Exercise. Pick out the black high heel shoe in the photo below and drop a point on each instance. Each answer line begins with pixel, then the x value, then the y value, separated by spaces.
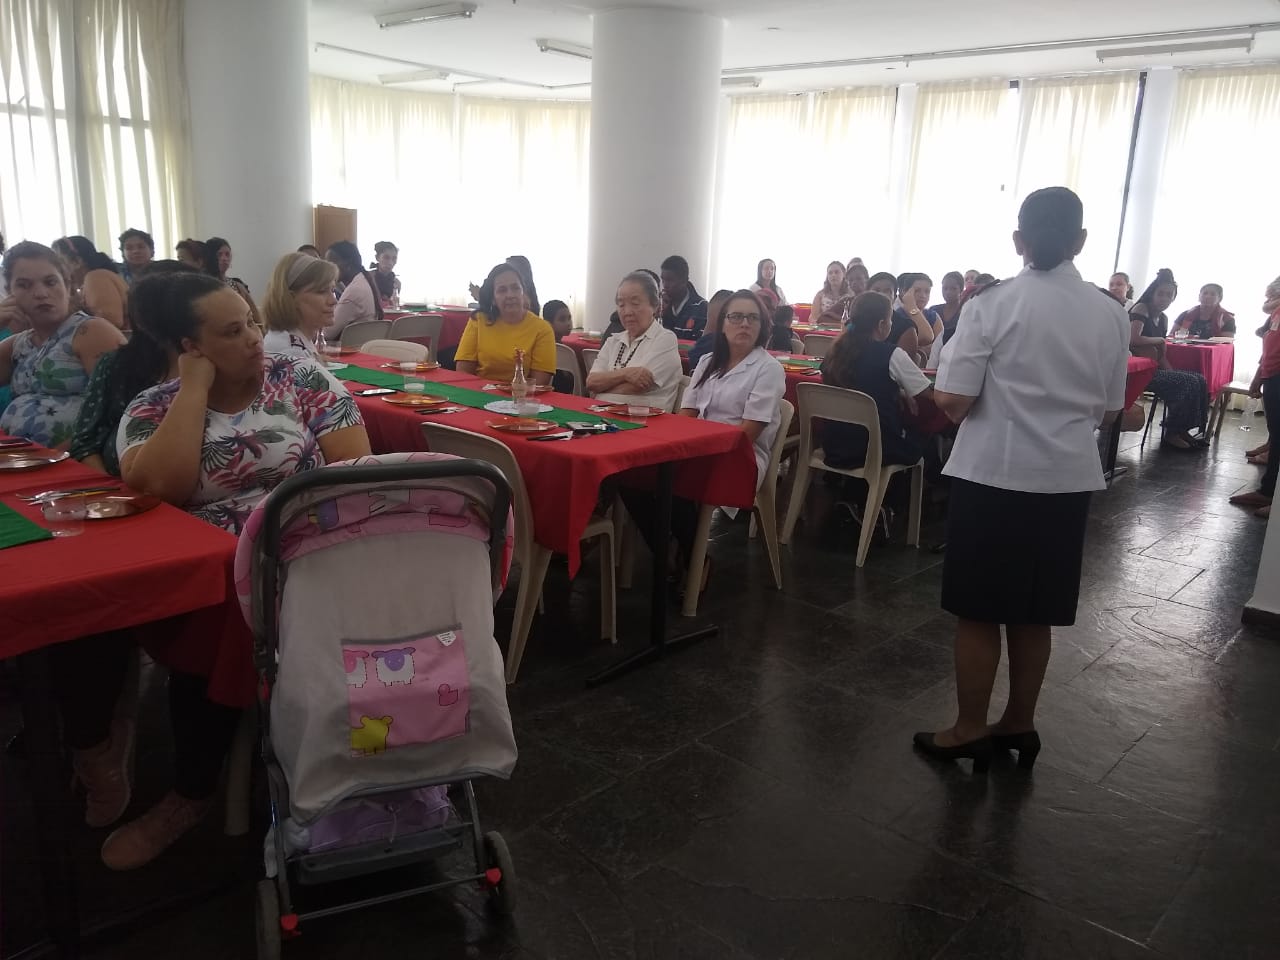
pixel 1027 744
pixel 979 751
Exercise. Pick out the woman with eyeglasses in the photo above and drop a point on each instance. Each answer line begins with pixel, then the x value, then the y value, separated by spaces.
pixel 739 383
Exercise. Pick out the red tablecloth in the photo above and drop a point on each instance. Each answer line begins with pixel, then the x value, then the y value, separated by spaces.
pixel 1216 362
pixel 126 573
pixel 802 312
pixel 715 462
pixel 1141 370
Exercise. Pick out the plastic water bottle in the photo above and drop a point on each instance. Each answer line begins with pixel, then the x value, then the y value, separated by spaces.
pixel 519 385
pixel 1250 408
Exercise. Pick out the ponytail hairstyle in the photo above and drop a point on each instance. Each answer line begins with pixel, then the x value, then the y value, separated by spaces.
pixel 82 249
pixel 143 361
pixel 867 312
pixel 347 254
pixel 488 299
pixel 1050 224
pixel 720 351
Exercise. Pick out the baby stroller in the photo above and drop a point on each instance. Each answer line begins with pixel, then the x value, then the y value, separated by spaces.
pixel 370 588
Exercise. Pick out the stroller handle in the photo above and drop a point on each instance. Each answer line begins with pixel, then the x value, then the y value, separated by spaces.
pixel 388 474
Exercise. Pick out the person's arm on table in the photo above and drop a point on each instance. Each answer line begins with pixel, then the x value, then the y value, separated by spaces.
pixel 167 463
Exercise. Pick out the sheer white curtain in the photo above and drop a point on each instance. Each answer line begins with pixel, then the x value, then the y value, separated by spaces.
pixel 960 205
pixel 1076 133
pixel 457 184
pixel 804 181
pixel 94 133
pixel 1217 204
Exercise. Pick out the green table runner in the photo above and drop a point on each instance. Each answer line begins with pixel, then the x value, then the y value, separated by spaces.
pixel 812 364
pixel 16 529
pixel 476 399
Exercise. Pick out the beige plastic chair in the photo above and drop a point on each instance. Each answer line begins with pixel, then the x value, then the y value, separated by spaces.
pixel 1238 388
pixel 568 362
pixel 817 344
pixel 684 385
pixel 397 350
pixel 819 401
pixel 764 512
pixel 418 326
pixel 531 556
pixel 358 334
pixel 797 345
pixel 588 361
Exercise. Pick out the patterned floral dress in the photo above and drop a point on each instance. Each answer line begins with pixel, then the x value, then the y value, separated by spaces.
pixel 246 454
pixel 48 386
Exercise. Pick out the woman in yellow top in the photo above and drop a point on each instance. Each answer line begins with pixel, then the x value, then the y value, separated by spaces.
pixel 502 326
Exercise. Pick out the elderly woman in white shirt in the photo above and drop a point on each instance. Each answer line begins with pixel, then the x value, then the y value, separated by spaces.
pixel 1038 364
pixel 299 305
pixel 640 365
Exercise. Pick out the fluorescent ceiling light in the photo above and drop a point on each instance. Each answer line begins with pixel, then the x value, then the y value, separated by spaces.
pixel 411 76
pixel 564 48
pixel 432 14
pixel 1198 46
pixel 739 81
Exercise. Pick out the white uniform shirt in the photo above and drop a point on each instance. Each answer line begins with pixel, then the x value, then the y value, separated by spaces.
pixel 1046 354
pixel 354 306
pixel 657 350
pixel 750 391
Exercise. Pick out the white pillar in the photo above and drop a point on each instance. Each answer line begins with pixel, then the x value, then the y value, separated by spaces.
pixel 1148 164
pixel 248 82
pixel 655 100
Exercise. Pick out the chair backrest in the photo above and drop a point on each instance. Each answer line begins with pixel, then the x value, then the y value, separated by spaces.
pixel 822 401
pixel 358 334
pixel 567 361
pixel 797 345
pixel 589 359
pixel 817 344
pixel 396 350
pixel 418 326
pixel 684 385
pixel 474 446
pixel 785 412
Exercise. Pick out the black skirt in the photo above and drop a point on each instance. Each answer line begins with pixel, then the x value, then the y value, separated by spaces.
pixel 1013 557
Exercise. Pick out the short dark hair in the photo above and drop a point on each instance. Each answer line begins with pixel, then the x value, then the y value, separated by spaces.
pixel 1049 222
pixel 135 234
pixel 955 276
pixel 551 308
pixel 310 248
pixel 677 265
pixel 193 247
pixel 1215 287
pixel 163 308
pixel 906 281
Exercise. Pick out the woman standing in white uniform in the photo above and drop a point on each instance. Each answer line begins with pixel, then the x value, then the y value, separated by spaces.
pixel 1038 364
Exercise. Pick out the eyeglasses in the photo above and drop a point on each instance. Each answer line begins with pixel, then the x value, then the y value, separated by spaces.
pixel 741 319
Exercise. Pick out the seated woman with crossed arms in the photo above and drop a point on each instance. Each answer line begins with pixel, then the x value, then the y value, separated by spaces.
pixel 641 364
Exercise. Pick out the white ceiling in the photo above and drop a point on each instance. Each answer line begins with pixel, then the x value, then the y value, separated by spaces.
pixel 498 41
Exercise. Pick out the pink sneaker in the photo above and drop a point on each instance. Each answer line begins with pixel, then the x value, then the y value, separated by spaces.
pixel 104 772
pixel 138 843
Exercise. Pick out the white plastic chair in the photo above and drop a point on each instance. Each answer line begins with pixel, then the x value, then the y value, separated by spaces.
pixel 358 334
pixel 764 512
pixel 684 385
pixel 567 361
pixel 396 350
pixel 819 401
pixel 817 344
pixel 797 345
pixel 531 556
pixel 418 326
pixel 1237 388
pixel 588 361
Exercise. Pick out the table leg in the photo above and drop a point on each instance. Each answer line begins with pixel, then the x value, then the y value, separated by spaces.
pixel 51 803
pixel 659 644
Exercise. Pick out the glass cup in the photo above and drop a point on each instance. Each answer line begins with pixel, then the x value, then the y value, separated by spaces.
pixel 414 385
pixel 65 516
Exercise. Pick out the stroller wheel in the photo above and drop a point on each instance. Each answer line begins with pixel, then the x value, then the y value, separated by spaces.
pixel 267 917
pixel 502 891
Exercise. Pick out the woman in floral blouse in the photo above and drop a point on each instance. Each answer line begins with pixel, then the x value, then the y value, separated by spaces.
pixel 47 365
pixel 215 441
